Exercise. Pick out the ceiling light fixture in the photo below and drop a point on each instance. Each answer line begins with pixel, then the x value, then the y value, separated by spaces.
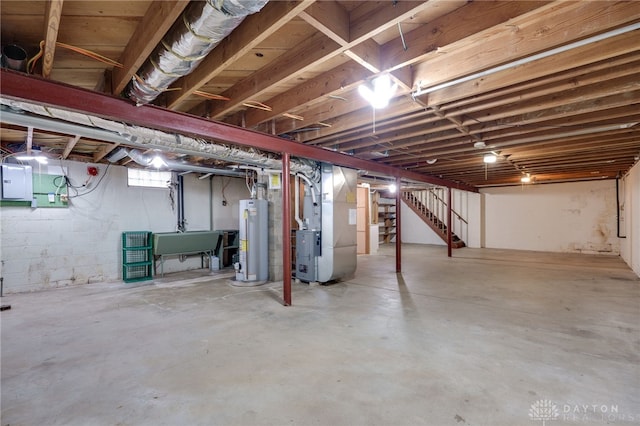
pixel 489 158
pixel 392 188
pixel 35 155
pixel 526 178
pixel 383 91
pixel 158 162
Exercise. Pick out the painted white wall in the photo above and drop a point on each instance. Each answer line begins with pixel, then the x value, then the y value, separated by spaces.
pixel 569 217
pixel 374 239
pixel 54 247
pixel 466 204
pixel 473 215
pixel 415 231
pixel 235 189
pixel 630 201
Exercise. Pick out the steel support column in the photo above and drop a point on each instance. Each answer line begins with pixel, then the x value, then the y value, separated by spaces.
pixel 398 225
pixel 286 230
pixel 449 224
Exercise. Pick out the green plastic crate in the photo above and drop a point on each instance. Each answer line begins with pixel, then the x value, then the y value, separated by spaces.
pixel 137 256
pixel 133 273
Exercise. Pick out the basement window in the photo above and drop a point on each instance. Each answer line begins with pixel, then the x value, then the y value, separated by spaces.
pixel 148 178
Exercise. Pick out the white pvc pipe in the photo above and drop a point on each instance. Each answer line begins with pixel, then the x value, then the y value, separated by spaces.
pixel 541 55
pixel 296 179
pixel 311 188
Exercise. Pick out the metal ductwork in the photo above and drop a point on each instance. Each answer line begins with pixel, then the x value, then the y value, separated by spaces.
pixel 146 160
pixel 55 119
pixel 197 32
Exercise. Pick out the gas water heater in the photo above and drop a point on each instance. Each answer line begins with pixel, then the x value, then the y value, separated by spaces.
pixel 253 251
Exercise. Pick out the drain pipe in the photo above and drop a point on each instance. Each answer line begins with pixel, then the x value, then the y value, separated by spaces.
pixel 312 187
pixel 211 203
pixel 181 222
pixel 297 202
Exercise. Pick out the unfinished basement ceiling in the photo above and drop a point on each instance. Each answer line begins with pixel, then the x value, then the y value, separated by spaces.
pixel 571 114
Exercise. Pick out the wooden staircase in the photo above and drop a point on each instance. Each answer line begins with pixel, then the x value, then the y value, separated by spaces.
pixel 431 208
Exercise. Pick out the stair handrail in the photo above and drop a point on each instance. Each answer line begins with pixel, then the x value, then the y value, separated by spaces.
pixel 431 190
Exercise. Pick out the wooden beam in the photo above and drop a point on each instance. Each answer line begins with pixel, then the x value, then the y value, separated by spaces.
pixel 445 31
pixel 556 84
pixel 331 111
pixel 605 50
pixel 70 144
pixel 545 28
pixel 330 18
pixel 363 116
pixel 159 18
pixel 372 18
pixel 253 31
pixel 366 54
pixel 102 152
pixel 313 91
pixel 451 31
pixel 297 60
pixel 14 85
pixel 53 12
pixel 623 89
pixel 300 59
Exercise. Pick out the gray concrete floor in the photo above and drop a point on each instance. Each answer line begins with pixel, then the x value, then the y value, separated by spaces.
pixel 472 340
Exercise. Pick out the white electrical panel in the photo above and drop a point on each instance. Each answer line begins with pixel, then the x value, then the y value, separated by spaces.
pixel 17 182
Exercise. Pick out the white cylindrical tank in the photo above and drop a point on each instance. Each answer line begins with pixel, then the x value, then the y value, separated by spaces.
pixel 253 251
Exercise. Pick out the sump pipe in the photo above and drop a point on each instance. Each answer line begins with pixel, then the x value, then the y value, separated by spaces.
pixel 296 200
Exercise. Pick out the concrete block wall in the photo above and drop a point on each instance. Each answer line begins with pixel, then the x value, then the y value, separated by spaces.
pixel 275 235
pixel 55 247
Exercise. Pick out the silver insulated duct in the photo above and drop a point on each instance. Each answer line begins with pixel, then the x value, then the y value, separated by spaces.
pixel 197 32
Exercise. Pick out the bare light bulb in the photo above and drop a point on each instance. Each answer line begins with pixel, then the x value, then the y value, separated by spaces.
pixel 489 158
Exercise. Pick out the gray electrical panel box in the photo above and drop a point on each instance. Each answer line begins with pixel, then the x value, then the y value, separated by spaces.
pixel 308 246
pixel 17 182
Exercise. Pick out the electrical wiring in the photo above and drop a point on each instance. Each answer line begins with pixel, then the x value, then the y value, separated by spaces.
pixel 89 53
pixel 62 180
pixel 31 64
pixel 224 186
pixel 106 170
